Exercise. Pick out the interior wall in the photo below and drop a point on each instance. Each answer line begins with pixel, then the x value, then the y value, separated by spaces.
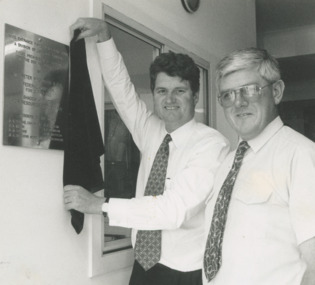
pixel 37 242
pixel 38 246
pixel 299 90
pixel 289 42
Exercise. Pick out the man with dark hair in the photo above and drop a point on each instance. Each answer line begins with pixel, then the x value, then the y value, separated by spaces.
pixel 261 226
pixel 176 64
pixel 179 158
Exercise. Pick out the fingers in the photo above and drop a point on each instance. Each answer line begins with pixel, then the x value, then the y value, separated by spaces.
pixel 85 34
pixel 71 187
pixel 68 204
pixel 90 27
pixel 78 24
pixel 82 24
pixel 70 196
pixel 77 198
pixel 71 192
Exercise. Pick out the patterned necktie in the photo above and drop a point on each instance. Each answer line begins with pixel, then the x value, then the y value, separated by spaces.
pixel 213 257
pixel 148 243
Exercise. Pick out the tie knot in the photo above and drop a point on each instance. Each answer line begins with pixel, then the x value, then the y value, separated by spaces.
pixel 167 139
pixel 242 147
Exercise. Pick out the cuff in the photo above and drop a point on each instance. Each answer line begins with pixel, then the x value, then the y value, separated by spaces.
pixel 107 49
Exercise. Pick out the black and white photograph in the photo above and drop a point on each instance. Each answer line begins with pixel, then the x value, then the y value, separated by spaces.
pixel 157 142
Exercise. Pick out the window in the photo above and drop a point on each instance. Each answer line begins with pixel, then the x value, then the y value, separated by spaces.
pixel 122 157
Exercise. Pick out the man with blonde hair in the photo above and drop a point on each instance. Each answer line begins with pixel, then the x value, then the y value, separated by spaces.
pixel 261 220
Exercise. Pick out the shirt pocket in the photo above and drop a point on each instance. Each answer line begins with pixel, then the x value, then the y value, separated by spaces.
pixel 254 202
pixel 254 192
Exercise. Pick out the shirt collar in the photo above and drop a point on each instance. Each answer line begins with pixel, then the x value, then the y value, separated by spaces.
pixel 180 135
pixel 272 128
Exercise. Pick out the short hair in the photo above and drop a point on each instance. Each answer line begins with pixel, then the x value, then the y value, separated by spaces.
pixel 267 65
pixel 176 64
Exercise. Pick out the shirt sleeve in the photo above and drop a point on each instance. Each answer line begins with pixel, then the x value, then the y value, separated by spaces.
pixel 183 198
pixel 302 193
pixel 131 109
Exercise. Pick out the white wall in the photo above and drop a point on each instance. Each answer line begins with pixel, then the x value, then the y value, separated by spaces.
pixel 37 243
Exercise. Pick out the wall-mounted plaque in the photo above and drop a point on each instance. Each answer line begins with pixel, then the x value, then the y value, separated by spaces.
pixel 35 81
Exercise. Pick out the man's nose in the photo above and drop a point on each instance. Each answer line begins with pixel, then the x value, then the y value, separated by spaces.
pixel 170 97
pixel 240 101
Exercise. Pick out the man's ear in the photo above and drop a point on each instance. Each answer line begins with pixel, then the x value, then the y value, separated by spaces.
pixel 196 98
pixel 277 91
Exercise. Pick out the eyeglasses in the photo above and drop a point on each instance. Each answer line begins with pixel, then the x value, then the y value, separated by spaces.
pixel 250 93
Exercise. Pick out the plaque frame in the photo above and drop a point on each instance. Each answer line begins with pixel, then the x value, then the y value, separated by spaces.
pixel 35 83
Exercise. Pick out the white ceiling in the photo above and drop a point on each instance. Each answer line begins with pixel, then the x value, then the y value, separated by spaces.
pixel 282 14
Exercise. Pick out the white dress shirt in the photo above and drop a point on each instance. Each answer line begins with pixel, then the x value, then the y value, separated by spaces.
pixel 195 154
pixel 271 212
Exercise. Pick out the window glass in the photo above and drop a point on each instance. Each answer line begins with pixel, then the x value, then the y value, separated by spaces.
pixel 201 114
pixel 121 154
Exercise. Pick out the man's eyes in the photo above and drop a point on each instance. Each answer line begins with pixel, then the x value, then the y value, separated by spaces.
pixel 161 91
pixel 227 95
pixel 176 91
pixel 180 91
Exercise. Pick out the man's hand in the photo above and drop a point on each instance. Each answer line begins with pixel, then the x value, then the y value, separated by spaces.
pixel 77 198
pixel 91 27
pixel 308 254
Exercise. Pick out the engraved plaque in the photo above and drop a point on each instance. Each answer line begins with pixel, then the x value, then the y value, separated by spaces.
pixel 35 81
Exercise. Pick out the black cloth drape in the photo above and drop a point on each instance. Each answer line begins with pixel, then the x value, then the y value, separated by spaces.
pixel 83 143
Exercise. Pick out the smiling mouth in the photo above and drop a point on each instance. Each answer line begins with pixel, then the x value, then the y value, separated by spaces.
pixel 171 107
pixel 243 115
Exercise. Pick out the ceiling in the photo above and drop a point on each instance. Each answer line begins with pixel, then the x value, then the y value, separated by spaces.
pixel 282 14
